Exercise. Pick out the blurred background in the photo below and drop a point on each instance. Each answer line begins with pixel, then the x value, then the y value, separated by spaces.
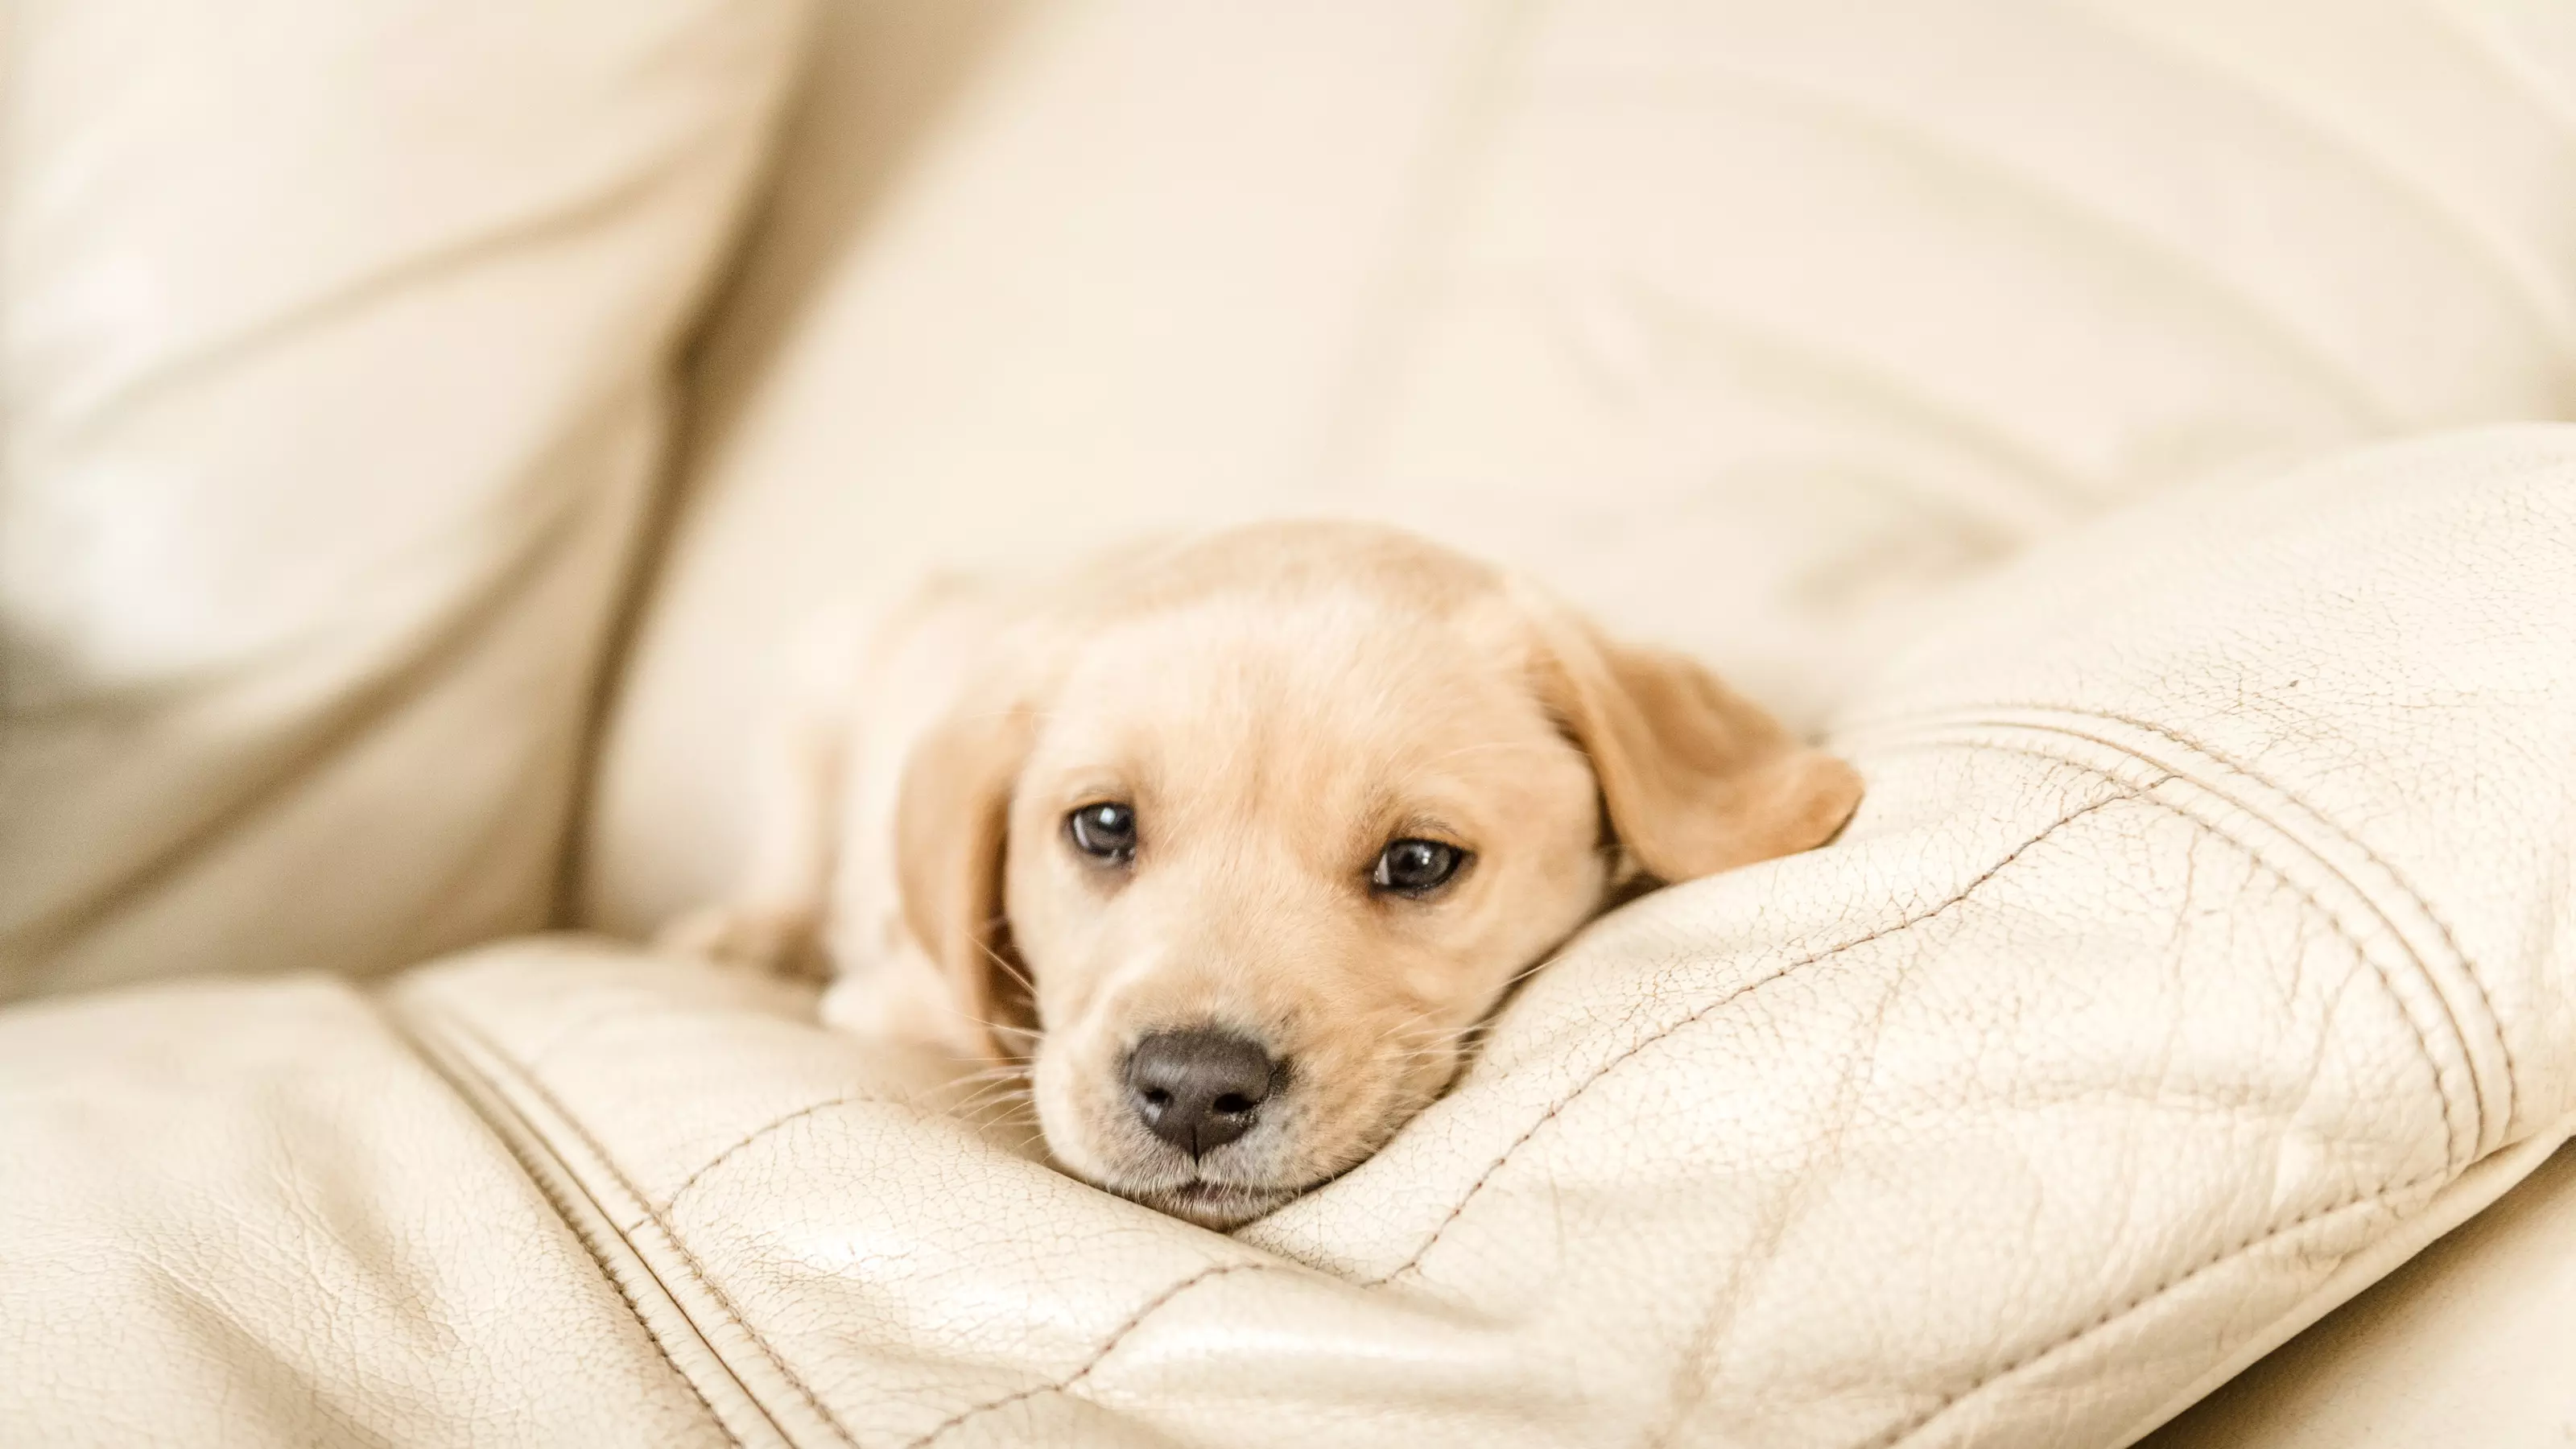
pixel 427 423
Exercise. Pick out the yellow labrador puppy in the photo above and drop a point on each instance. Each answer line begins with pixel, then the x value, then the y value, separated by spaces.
pixel 1229 844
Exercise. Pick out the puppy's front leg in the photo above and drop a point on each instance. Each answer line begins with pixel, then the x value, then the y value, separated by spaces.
pixel 778 917
pixel 774 921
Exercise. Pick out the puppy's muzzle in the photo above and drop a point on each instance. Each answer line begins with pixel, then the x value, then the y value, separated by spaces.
pixel 1200 1088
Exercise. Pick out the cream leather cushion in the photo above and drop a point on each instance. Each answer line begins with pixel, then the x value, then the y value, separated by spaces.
pixel 1748 324
pixel 335 351
pixel 2466 1344
pixel 2204 947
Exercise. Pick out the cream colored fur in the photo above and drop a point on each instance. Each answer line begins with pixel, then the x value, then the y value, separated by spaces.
pixel 1277 704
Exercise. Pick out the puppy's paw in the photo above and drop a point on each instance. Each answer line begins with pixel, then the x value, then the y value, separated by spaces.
pixel 901 997
pixel 777 941
pixel 854 1005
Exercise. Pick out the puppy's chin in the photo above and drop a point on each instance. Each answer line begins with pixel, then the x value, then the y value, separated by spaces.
pixel 1221 1206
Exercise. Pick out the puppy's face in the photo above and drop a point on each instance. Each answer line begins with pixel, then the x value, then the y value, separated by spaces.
pixel 1272 833
pixel 1269 859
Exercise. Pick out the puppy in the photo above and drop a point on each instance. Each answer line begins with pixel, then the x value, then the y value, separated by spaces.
pixel 1228 844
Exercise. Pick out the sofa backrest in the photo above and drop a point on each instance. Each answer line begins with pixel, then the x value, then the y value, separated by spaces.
pixel 1751 326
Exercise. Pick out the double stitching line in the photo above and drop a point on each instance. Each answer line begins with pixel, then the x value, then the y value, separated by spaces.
pixel 2423 903
pixel 688 1259
pixel 547 1189
pixel 1963 717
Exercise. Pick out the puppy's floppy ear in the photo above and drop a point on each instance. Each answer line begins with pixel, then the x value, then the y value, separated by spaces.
pixel 951 829
pixel 1696 778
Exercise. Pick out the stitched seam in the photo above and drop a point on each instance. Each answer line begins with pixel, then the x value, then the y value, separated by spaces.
pixel 845 1100
pixel 1703 1013
pixel 687 1258
pixel 1116 1336
pixel 562 1211
pixel 2423 1044
pixel 2468 967
pixel 2441 927
pixel 2111 1316
pixel 794 1379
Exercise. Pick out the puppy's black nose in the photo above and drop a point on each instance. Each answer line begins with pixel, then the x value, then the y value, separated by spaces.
pixel 1198 1089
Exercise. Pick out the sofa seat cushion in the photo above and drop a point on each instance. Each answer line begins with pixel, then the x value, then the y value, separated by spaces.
pixel 2203 949
pixel 250 1214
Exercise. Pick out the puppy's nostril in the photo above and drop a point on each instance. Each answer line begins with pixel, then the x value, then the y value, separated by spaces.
pixel 1199 1089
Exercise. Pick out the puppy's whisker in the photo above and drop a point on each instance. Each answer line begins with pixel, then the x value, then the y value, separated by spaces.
pixel 990 1096
pixel 1531 970
pixel 1002 1028
pixel 993 1100
pixel 1008 969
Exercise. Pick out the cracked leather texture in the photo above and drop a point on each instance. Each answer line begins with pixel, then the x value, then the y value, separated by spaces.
pixel 2205 944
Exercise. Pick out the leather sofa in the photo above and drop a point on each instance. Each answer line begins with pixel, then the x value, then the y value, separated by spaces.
pixel 2128 432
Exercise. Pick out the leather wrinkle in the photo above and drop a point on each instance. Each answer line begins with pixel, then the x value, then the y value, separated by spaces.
pixel 2037 197
pixel 2041 480
pixel 688 1259
pixel 2513 76
pixel 395 278
pixel 401 1031
pixel 2524 292
pixel 1472 121
pixel 2127 793
pixel 1098 1355
pixel 358 709
pixel 2113 1315
pixel 1952 719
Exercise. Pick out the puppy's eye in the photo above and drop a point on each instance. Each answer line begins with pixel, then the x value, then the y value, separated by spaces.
pixel 1105 831
pixel 1416 867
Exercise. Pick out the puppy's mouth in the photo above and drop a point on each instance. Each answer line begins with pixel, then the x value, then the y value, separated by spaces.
pixel 1218 1205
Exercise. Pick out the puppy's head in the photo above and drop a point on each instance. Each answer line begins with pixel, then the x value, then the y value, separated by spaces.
pixel 1247 835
